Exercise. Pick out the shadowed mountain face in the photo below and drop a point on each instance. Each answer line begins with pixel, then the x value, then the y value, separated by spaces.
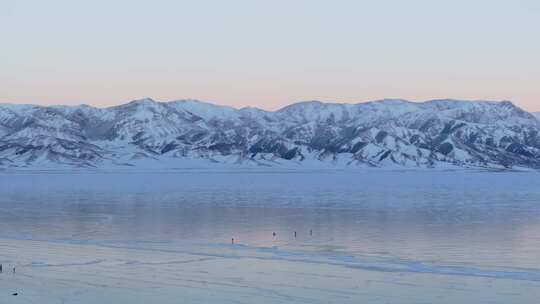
pixel 437 133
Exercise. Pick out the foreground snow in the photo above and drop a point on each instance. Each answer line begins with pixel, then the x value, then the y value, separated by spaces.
pixel 59 272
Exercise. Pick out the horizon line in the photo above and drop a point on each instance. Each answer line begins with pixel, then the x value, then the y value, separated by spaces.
pixel 267 110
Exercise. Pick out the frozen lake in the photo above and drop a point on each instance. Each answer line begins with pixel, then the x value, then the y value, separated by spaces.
pixel 361 237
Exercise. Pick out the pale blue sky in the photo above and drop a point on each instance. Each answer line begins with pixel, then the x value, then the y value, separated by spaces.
pixel 269 53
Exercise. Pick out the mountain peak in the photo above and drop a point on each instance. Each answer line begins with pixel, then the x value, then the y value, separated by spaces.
pixel 205 110
pixel 146 100
pixel 300 104
pixel 391 101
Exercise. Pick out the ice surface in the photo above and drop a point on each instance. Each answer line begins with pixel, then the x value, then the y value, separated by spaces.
pixel 165 237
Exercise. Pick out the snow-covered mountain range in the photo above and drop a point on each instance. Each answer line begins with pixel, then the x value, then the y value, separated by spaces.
pixel 384 133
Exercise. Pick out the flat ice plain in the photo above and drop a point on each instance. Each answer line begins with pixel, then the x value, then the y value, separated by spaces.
pixel 366 236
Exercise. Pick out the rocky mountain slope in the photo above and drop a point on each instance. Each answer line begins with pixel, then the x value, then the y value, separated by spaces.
pixel 385 133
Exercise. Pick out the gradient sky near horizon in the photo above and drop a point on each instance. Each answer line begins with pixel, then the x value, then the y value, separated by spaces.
pixel 269 53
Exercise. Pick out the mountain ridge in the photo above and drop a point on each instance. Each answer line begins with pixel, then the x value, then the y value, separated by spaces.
pixel 381 133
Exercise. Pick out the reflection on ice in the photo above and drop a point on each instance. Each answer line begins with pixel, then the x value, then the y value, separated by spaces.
pixel 399 237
